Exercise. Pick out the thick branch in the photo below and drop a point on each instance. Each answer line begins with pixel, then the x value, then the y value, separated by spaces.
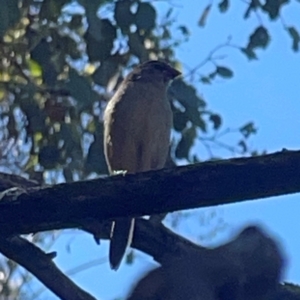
pixel 41 265
pixel 199 185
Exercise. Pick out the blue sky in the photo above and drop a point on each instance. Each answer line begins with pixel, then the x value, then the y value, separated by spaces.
pixel 265 91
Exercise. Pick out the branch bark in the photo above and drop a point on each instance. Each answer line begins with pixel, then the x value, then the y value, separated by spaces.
pixel 205 184
pixel 41 265
pixel 26 207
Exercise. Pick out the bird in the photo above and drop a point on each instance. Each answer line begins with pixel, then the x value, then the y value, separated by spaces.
pixel 137 126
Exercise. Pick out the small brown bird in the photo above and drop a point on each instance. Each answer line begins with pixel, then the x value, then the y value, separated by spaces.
pixel 137 126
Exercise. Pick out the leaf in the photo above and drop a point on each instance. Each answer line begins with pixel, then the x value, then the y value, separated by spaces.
pixel 95 161
pixel 80 89
pixel 248 129
pixel 295 36
pixel 69 47
pixel 223 5
pixel 100 38
pixel 51 9
pixel 213 74
pixel 195 117
pixel 186 94
pixel 186 142
pixel 105 72
pixel 217 120
pixel 91 126
pixel 3 93
pixel 184 30
pixel 49 157
pixel 136 46
pixel 32 162
pixel 180 120
pixel 34 68
pixel 273 7
pixel 224 72
pixel 187 97
pixel 259 38
pixel 35 116
pixel 72 137
pixel 9 15
pixel 4 19
pixel 76 21
pixel 205 80
pixel 42 54
pixel 145 17
pixel 249 53
pixel 243 145
pixel 166 34
pixel 204 16
pixel 123 15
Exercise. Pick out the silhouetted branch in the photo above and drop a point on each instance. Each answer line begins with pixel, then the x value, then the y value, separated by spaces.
pixel 26 207
pixel 205 184
pixel 42 267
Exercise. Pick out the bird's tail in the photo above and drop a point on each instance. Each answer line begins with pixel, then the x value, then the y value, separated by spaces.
pixel 120 238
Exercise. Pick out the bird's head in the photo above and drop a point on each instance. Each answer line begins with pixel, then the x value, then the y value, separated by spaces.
pixel 154 70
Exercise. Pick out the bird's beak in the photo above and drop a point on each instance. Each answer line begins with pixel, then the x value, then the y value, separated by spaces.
pixel 172 73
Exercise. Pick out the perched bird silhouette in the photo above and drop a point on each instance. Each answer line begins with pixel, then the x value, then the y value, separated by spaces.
pixel 137 126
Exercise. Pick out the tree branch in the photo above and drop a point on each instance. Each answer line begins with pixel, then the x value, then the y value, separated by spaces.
pixel 26 208
pixel 41 265
pixel 205 184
